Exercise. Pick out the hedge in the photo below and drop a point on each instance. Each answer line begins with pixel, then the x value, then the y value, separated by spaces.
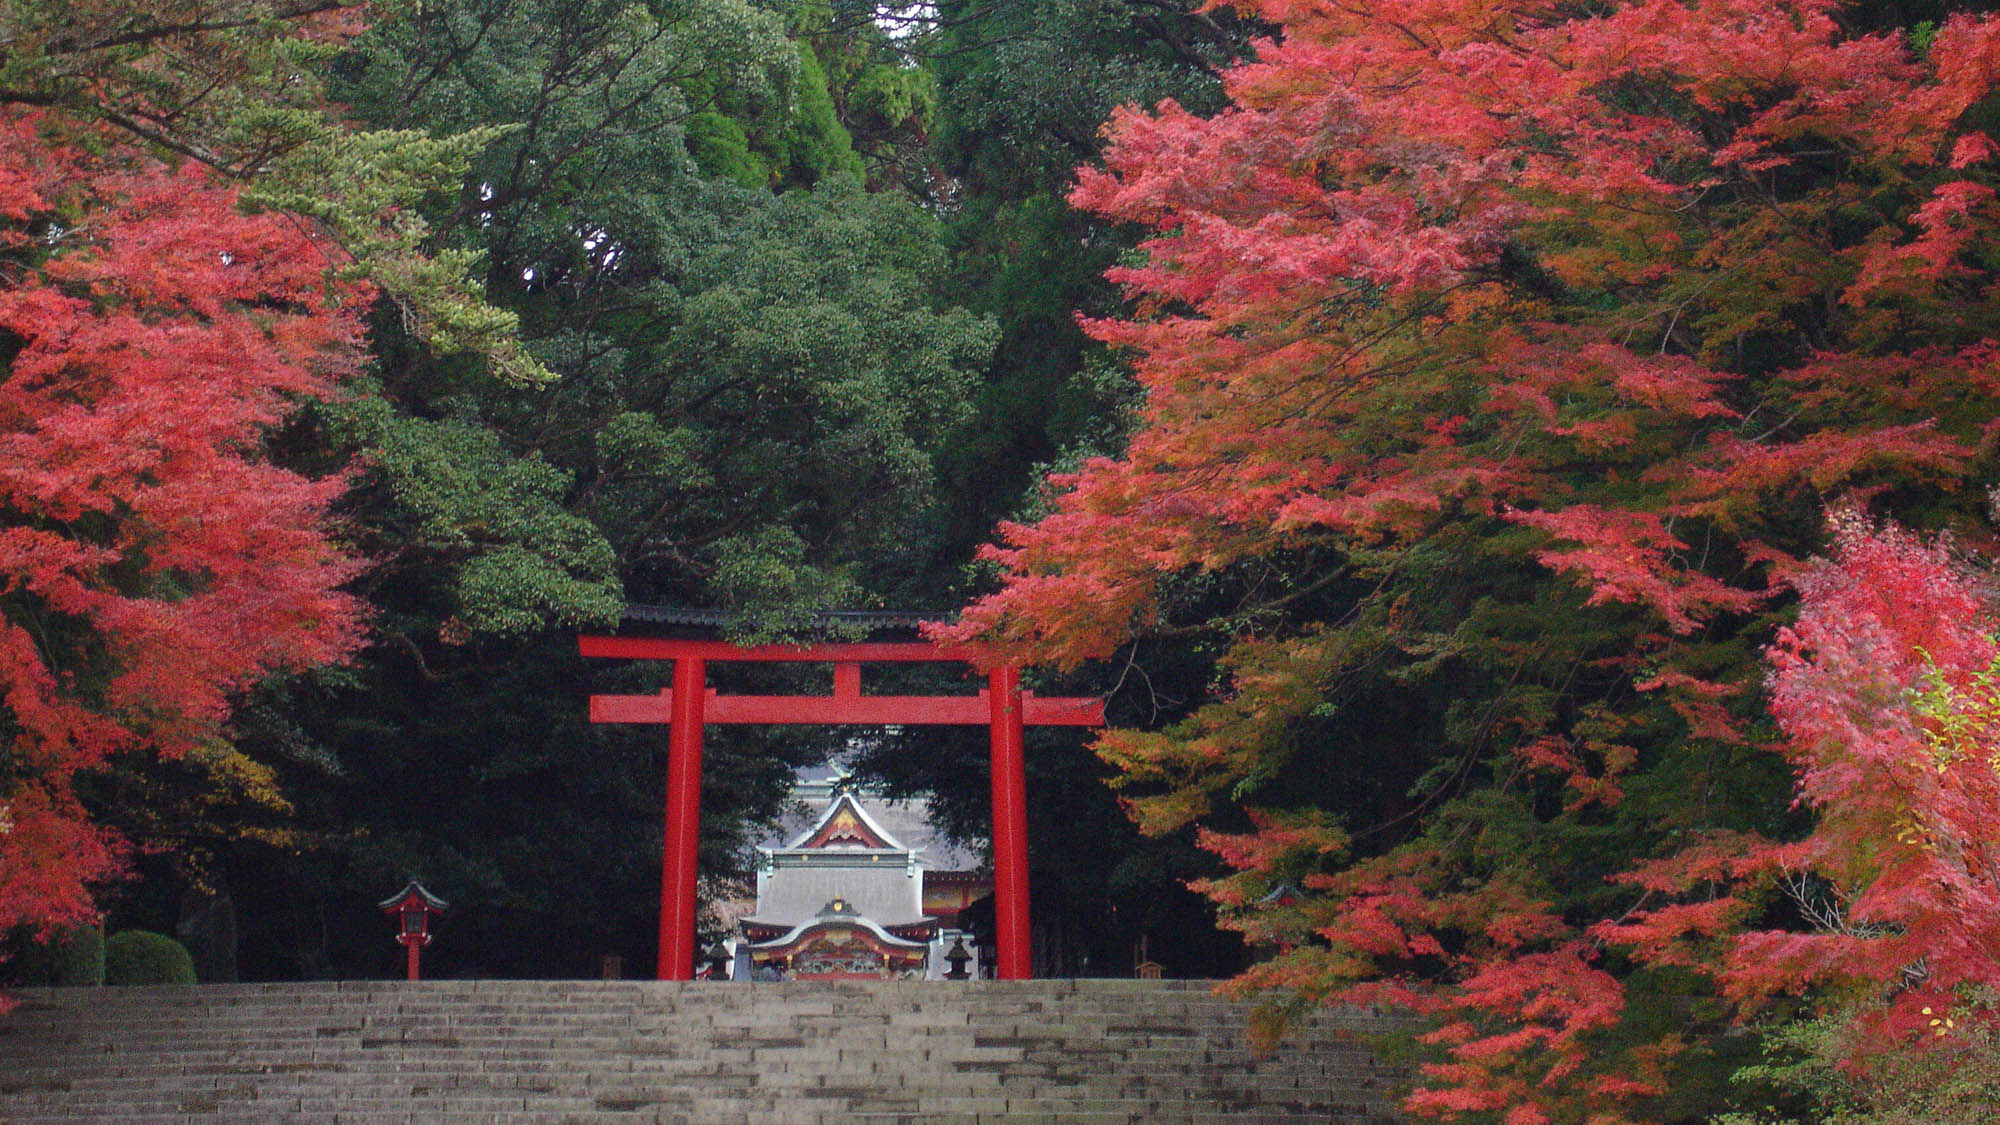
pixel 144 957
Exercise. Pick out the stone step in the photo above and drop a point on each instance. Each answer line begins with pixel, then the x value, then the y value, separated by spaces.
pixel 1065 1051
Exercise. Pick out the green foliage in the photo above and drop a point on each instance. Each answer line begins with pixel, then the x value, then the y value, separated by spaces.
pixel 721 149
pixel 347 181
pixel 1026 86
pixel 1950 1075
pixel 1023 90
pixel 816 145
pixel 1049 395
pixel 887 97
pixel 145 957
pixel 766 574
pixel 786 412
pixel 750 382
pixel 881 86
pixel 515 558
pixel 73 957
pixel 1958 719
pixel 1922 34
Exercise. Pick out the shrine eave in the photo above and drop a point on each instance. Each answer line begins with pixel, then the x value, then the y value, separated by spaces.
pixel 973 878
pixel 906 936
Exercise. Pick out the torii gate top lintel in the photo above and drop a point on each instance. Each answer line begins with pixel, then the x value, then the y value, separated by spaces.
pixel 690 703
pixel 868 652
pixel 845 706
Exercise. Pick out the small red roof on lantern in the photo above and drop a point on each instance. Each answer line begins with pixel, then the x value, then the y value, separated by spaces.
pixel 414 895
pixel 1284 894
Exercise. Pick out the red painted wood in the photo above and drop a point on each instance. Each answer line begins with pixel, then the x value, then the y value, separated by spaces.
pixel 1010 827
pixel 1003 707
pixel 671 648
pixel 683 838
pixel 411 965
pixel 871 710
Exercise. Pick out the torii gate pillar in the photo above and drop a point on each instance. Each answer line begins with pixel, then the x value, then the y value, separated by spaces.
pixel 1010 826
pixel 689 705
pixel 683 836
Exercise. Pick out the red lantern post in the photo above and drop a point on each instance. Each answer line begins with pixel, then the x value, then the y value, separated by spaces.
pixel 413 907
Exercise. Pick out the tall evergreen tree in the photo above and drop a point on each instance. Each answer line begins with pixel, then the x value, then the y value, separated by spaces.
pixel 751 385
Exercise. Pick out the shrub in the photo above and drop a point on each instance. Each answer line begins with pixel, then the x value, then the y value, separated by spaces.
pixel 1826 1071
pixel 69 958
pixel 144 957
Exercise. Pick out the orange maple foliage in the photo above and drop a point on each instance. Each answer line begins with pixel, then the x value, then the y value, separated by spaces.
pixel 153 560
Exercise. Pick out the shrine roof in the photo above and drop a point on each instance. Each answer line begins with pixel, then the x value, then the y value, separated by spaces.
pixel 1283 894
pixel 907 819
pixel 857 824
pixel 888 893
pixel 681 618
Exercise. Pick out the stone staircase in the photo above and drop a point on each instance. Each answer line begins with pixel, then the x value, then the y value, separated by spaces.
pixel 559 1051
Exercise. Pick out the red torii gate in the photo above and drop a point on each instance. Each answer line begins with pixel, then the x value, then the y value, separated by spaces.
pixel 690 703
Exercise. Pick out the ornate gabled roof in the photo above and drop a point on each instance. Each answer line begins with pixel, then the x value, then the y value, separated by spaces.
pixel 908 819
pixel 845 854
pixel 845 824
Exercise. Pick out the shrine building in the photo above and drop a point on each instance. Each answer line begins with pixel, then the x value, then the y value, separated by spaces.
pixel 848 898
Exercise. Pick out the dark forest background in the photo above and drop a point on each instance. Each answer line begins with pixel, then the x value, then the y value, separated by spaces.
pixel 807 278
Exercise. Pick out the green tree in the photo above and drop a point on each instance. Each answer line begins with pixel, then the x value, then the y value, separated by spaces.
pixel 753 386
pixel 1022 91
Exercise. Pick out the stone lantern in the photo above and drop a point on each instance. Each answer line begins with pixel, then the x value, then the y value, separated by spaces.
pixel 957 957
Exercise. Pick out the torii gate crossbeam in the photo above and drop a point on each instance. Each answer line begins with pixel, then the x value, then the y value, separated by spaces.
pixel 690 704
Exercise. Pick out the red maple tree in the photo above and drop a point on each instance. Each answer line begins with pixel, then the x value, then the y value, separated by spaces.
pixel 1542 334
pixel 153 560
pixel 1884 689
